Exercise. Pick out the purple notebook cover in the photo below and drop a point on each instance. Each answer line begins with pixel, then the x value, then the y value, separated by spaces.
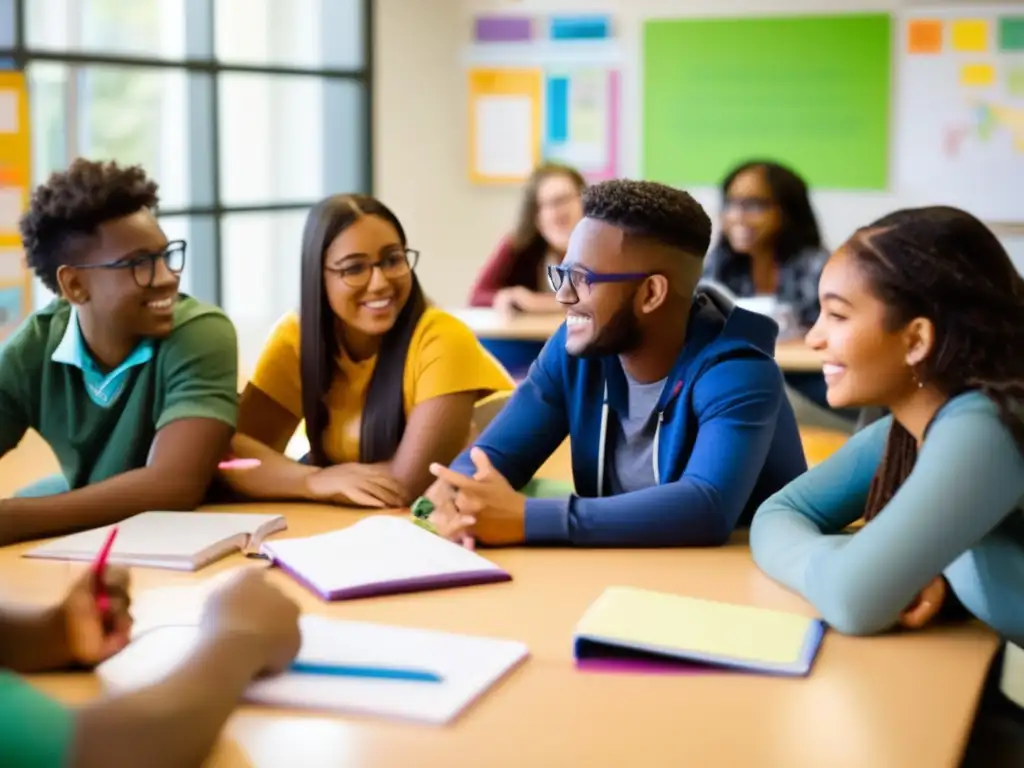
pixel 419 584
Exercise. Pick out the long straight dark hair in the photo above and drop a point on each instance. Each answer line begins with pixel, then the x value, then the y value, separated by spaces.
pixel 383 420
pixel 798 230
pixel 944 264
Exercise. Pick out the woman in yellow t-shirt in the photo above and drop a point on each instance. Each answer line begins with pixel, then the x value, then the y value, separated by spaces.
pixel 386 384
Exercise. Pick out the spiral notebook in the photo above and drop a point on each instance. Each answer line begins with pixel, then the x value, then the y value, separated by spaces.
pixel 468 666
pixel 635 627
pixel 380 555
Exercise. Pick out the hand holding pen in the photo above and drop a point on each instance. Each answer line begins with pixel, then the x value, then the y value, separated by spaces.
pixel 95 614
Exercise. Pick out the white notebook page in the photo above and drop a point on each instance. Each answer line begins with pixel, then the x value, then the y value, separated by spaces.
pixel 376 550
pixel 469 665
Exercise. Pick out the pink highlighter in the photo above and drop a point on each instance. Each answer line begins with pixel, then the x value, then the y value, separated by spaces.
pixel 239 464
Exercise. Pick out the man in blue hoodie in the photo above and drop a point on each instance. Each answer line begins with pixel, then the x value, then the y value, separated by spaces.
pixel 674 405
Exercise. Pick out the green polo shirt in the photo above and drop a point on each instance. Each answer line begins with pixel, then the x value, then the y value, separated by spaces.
pixel 102 423
pixel 35 730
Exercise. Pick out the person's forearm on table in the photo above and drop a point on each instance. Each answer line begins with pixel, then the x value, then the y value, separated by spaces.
pixel 172 723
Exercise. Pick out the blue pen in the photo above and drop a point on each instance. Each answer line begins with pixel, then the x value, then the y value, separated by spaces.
pixel 379 673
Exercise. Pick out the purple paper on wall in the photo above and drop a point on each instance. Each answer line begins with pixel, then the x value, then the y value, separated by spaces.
pixel 502 29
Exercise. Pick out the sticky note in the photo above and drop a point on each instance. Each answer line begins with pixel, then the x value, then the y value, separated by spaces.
pixel 970 35
pixel 924 36
pixel 1015 81
pixel 977 75
pixel 1011 33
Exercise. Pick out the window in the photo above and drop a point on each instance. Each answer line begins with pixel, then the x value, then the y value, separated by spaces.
pixel 144 28
pixel 260 273
pixel 246 112
pixel 292 33
pixel 137 115
pixel 280 138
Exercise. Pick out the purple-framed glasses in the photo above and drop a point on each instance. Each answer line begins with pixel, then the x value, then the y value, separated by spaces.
pixel 580 278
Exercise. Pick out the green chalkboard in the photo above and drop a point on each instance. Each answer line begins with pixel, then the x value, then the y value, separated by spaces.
pixel 809 91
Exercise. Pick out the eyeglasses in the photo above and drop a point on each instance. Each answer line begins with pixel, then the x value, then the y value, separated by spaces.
pixel 356 273
pixel 143 266
pixel 747 204
pixel 582 280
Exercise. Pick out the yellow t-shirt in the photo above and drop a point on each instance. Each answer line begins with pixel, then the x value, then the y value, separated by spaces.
pixel 444 358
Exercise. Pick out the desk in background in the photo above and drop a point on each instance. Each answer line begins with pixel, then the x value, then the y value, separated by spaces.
pixel 888 701
pixel 517 340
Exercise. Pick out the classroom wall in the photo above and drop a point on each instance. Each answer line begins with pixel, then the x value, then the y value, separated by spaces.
pixel 421 125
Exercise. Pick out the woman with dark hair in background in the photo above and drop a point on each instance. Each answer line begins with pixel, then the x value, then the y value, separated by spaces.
pixel 386 384
pixel 770 246
pixel 922 313
pixel 515 276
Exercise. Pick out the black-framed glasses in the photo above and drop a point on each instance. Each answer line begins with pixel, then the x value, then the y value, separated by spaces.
pixel 582 279
pixel 143 265
pixel 356 272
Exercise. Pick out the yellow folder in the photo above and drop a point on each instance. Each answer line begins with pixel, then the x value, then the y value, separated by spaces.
pixel 640 623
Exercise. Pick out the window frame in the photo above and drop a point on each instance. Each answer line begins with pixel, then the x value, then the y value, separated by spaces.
pixel 204 106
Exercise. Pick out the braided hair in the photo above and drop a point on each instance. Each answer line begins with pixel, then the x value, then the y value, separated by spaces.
pixel 943 264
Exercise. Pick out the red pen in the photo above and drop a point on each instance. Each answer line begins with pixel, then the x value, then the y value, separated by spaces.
pixel 99 568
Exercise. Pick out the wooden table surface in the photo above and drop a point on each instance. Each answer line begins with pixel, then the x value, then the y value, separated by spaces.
pixel 488 324
pixel 883 702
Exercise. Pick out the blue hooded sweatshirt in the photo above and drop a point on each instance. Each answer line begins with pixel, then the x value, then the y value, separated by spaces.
pixel 726 437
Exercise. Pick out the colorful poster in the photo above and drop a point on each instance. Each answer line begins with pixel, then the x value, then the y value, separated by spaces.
pixel 582 120
pixel 960 136
pixel 504 124
pixel 15 279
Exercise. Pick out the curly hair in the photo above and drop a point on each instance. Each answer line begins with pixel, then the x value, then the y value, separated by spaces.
pixel 64 212
pixel 943 264
pixel 647 209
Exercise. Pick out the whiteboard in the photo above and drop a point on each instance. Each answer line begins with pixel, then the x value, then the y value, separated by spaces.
pixel 960 109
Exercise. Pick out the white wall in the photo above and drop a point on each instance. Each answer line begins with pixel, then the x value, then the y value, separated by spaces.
pixel 421 124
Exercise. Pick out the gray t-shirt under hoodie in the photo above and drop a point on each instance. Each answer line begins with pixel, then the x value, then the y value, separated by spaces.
pixel 632 439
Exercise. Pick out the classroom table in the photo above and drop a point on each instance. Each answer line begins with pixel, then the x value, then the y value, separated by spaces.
pixel 896 701
pixel 490 325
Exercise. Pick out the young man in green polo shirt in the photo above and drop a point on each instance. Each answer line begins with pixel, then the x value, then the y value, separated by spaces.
pixel 248 628
pixel 133 385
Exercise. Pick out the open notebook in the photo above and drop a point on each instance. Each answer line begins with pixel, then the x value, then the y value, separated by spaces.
pixel 380 555
pixel 183 541
pixel 468 666
pixel 634 626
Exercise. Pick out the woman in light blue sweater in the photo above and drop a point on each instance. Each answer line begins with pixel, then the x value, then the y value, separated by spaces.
pixel 921 312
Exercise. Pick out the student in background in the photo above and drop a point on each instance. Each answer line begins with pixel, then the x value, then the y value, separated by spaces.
pixel 770 246
pixel 922 313
pixel 678 421
pixel 515 278
pixel 385 383
pixel 248 628
pixel 133 385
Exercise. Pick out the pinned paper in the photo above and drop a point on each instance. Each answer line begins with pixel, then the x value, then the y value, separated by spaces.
pixel 977 75
pixel 1011 33
pixel 924 36
pixel 970 35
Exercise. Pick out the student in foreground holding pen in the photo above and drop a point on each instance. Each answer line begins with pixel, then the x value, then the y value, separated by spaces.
pixel 675 407
pixel 923 313
pixel 248 628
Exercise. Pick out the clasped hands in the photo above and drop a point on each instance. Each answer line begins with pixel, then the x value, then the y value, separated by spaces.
pixel 482 508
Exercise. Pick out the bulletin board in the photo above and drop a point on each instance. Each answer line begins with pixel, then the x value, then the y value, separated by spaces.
pixel 543 88
pixel 813 92
pixel 960 139
pixel 15 279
